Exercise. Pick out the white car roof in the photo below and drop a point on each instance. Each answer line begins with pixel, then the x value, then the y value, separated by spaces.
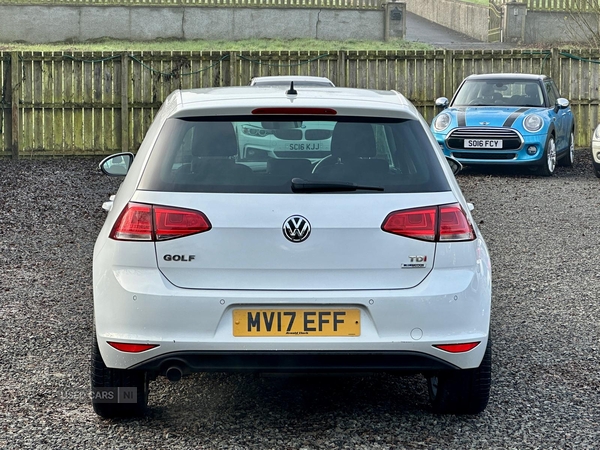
pixel 243 100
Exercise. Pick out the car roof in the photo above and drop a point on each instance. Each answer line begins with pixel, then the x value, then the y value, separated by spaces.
pixel 283 80
pixel 245 99
pixel 507 76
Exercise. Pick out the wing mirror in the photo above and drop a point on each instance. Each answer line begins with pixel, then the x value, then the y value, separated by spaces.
pixel 116 165
pixel 442 102
pixel 561 103
pixel 455 165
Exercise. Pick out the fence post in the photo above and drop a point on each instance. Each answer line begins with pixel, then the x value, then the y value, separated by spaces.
pixel 448 73
pixel 15 82
pixel 233 69
pixel 555 65
pixel 124 102
pixel 341 69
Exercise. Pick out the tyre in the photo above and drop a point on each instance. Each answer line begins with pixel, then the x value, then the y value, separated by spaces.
pixel 549 159
pixel 464 391
pixel 596 167
pixel 569 158
pixel 109 385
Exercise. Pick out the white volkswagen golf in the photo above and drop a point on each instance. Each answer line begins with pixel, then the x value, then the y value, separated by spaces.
pixel 359 255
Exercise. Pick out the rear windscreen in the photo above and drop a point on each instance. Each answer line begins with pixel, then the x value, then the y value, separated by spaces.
pixel 241 155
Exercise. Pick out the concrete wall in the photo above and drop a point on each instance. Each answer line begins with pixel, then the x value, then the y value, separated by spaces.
pixel 519 25
pixel 43 24
pixel 464 17
pixel 547 27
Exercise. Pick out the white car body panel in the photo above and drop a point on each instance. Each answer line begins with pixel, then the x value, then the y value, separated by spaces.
pixel 140 298
pixel 596 151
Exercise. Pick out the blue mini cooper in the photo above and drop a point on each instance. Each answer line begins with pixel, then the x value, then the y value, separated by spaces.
pixel 507 119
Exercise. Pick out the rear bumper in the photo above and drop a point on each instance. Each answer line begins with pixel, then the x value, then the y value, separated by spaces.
pixel 290 362
pixel 399 328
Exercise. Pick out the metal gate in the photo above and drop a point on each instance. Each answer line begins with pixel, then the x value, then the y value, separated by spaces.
pixel 495 21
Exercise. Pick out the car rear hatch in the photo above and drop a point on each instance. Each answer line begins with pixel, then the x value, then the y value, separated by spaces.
pixel 247 248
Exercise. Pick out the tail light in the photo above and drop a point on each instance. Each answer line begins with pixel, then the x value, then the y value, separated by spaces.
pixel 141 222
pixel 446 223
pixel 454 225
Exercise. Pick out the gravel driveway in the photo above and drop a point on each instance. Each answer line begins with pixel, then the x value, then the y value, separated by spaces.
pixel 543 235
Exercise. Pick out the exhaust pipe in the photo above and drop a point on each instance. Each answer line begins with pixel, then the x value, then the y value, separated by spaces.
pixel 174 374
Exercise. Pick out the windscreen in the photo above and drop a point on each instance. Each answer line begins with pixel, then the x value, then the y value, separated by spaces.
pixel 243 154
pixel 499 92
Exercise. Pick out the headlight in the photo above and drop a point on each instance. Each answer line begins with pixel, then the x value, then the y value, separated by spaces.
pixel 597 133
pixel 441 122
pixel 255 131
pixel 533 123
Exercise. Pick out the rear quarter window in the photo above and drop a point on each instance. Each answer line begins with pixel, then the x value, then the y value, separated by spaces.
pixel 241 154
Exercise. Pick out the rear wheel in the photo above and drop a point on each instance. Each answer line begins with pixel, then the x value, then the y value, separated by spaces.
pixel 464 391
pixel 549 159
pixel 569 158
pixel 117 392
pixel 596 167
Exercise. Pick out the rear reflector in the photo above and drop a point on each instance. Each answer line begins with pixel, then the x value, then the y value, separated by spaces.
pixel 141 222
pixel 131 348
pixel 300 111
pixel 457 348
pixel 447 223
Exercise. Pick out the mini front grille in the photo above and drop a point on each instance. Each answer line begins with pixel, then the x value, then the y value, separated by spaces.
pixel 511 139
pixel 486 156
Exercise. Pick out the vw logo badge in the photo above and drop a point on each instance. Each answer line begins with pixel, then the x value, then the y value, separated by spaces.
pixel 296 228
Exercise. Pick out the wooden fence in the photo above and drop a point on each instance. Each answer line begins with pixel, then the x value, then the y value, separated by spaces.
pixel 56 104
pixel 347 4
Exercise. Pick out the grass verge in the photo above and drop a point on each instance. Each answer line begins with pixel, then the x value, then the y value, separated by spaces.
pixel 187 46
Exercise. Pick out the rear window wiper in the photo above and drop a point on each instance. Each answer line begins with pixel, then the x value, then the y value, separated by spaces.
pixel 300 185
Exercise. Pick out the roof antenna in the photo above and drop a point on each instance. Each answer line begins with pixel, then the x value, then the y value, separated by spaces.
pixel 291 90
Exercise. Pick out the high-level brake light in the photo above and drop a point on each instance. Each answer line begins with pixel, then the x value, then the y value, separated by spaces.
pixel 296 111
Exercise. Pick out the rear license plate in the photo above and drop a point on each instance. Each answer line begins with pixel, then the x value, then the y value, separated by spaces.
pixel 483 143
pixel 296 322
